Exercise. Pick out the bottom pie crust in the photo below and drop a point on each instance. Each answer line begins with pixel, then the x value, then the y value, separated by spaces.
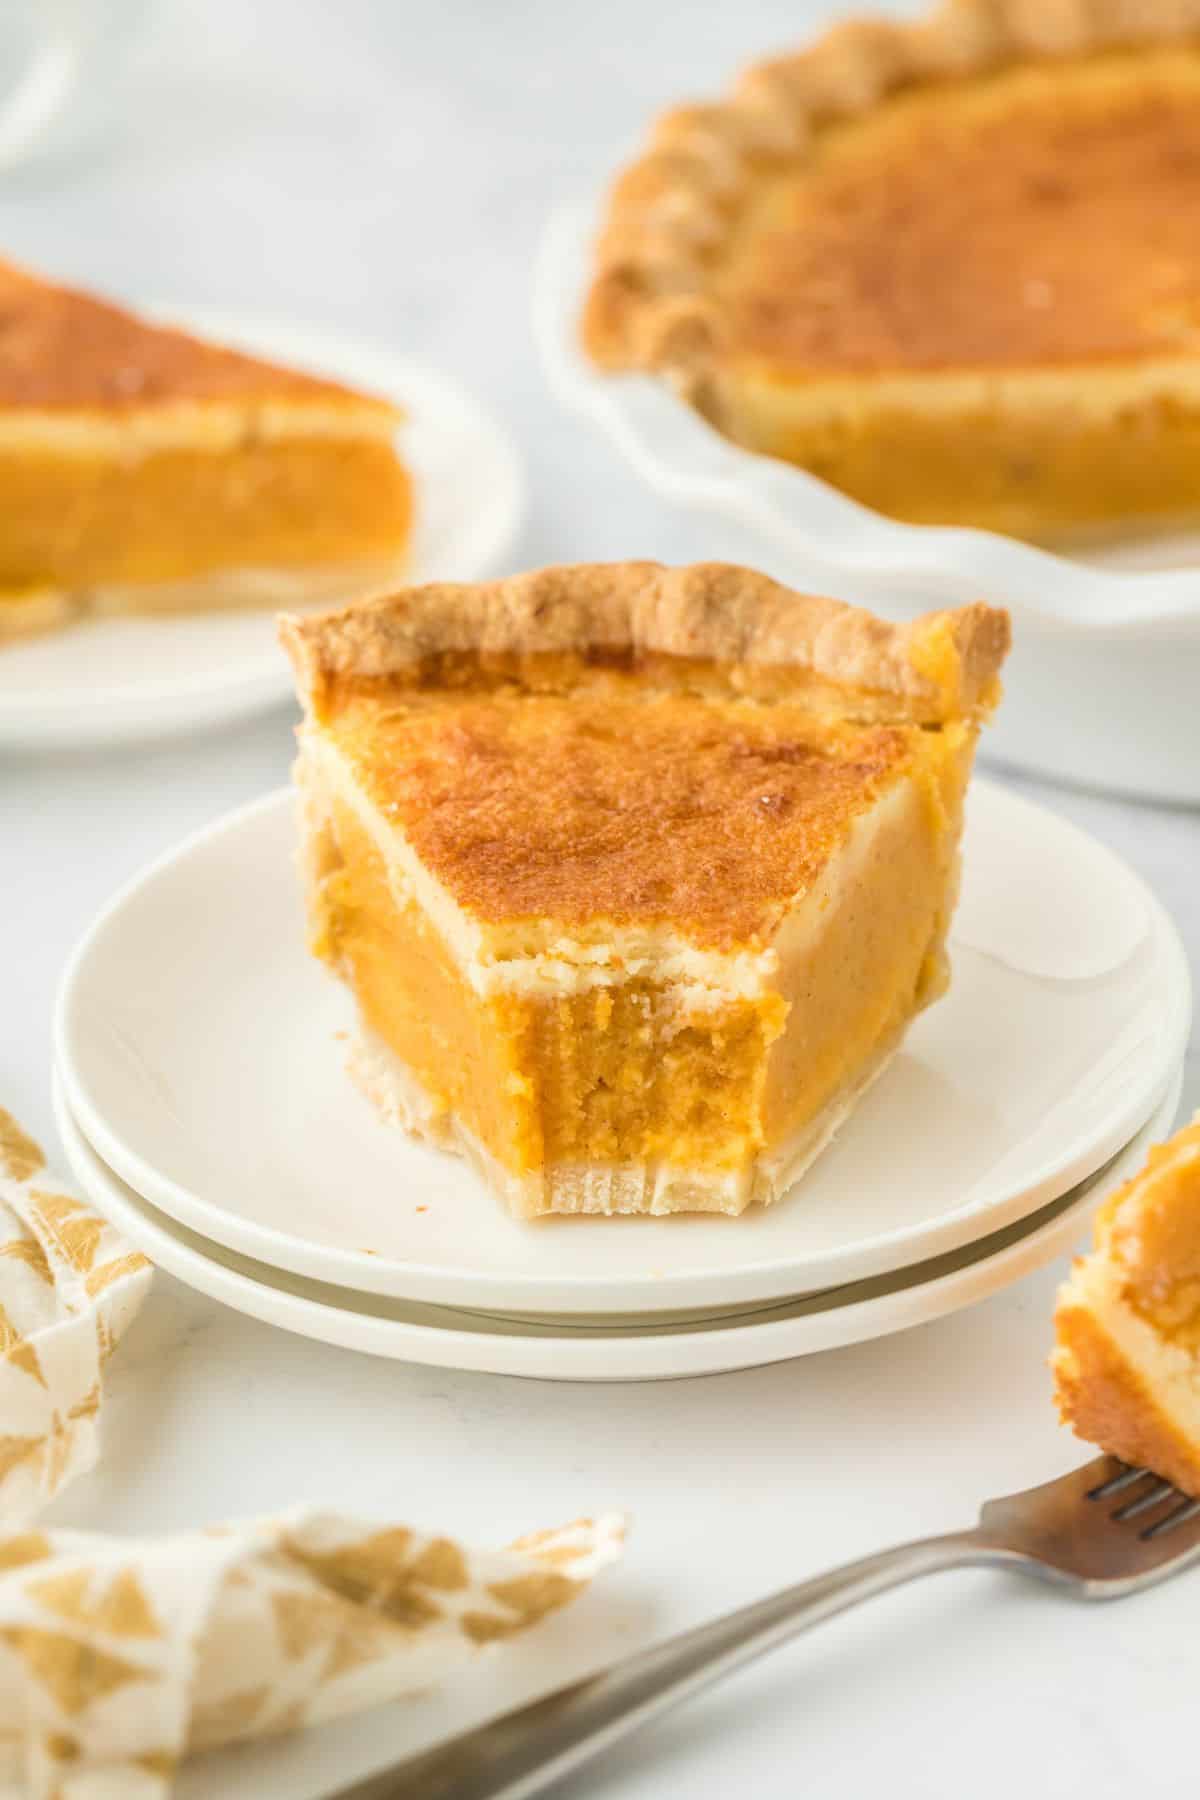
pixel 653 1189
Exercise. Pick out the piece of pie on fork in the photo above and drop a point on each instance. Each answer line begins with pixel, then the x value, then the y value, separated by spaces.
pixel 637 874
pixel 1127 1354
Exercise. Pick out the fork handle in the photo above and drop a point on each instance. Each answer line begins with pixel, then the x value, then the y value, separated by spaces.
pixel 523 1751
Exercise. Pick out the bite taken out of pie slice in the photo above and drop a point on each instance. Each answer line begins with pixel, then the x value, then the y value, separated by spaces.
pixel 638 874
pixel 1127 1357
pixel 143 470
pixel 950 265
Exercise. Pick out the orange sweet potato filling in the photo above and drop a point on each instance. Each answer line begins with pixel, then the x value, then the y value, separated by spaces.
pixel 602 1074
pixel 83 520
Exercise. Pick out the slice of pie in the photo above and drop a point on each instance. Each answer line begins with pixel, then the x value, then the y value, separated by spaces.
pixel 142 470
pixel 1127 1358
pixel 638 874
pixel 952 267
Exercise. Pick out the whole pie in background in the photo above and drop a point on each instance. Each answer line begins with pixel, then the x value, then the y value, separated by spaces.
pixel 637 874
pixel 951 267
pixel 143 470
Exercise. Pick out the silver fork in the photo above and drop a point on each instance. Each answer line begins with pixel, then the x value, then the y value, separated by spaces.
pixel 1103 1531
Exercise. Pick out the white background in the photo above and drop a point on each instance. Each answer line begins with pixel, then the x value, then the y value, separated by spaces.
pixel 384 169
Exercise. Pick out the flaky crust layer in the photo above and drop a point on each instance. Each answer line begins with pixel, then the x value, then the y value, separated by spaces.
pixel 941 666
pixel 653 304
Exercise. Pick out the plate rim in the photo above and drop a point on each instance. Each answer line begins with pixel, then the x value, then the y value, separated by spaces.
pixel 433 1283
pixel 586 1356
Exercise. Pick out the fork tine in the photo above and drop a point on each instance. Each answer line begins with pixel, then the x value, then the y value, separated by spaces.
pixel 1154 1496
pixel 1125 1477
pixel 1145 1531
pixel 1179 1516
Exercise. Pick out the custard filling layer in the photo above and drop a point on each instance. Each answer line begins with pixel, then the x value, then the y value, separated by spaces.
pixel 85 521
pixel 601 1074
pixel 1031 456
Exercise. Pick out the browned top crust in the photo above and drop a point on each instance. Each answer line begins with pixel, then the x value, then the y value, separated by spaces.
pixel 1068 234
pixel 706 624
pixel 905 277
pixel 63 350
pixel 707 816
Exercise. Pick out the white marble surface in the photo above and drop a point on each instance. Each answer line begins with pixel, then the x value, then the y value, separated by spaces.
pixel 385 169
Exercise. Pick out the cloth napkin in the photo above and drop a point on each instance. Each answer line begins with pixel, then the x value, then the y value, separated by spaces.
pixel 120 1656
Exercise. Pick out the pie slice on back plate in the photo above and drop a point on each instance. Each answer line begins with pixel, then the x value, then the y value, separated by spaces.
pixel 951 266
pixel 142 470
pixel 1127 1357
pixel 637 874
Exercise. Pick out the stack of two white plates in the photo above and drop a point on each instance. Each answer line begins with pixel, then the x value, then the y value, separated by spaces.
pixel 205 1109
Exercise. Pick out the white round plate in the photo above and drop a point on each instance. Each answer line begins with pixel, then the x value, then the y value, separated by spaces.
pixel 635 1350
pixel 107 681
pixel 198 1043
pixel 1101 684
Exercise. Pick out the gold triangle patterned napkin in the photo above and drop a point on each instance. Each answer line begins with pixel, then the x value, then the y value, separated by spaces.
pixel 118 1657
pixel 69 1286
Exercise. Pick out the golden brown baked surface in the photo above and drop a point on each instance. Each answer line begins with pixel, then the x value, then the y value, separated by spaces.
pixel 707 815
pixel 998 184
pixel 61 349
pixel 1036 216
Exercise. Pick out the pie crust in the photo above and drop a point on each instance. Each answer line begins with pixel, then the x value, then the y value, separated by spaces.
pixel 940 666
